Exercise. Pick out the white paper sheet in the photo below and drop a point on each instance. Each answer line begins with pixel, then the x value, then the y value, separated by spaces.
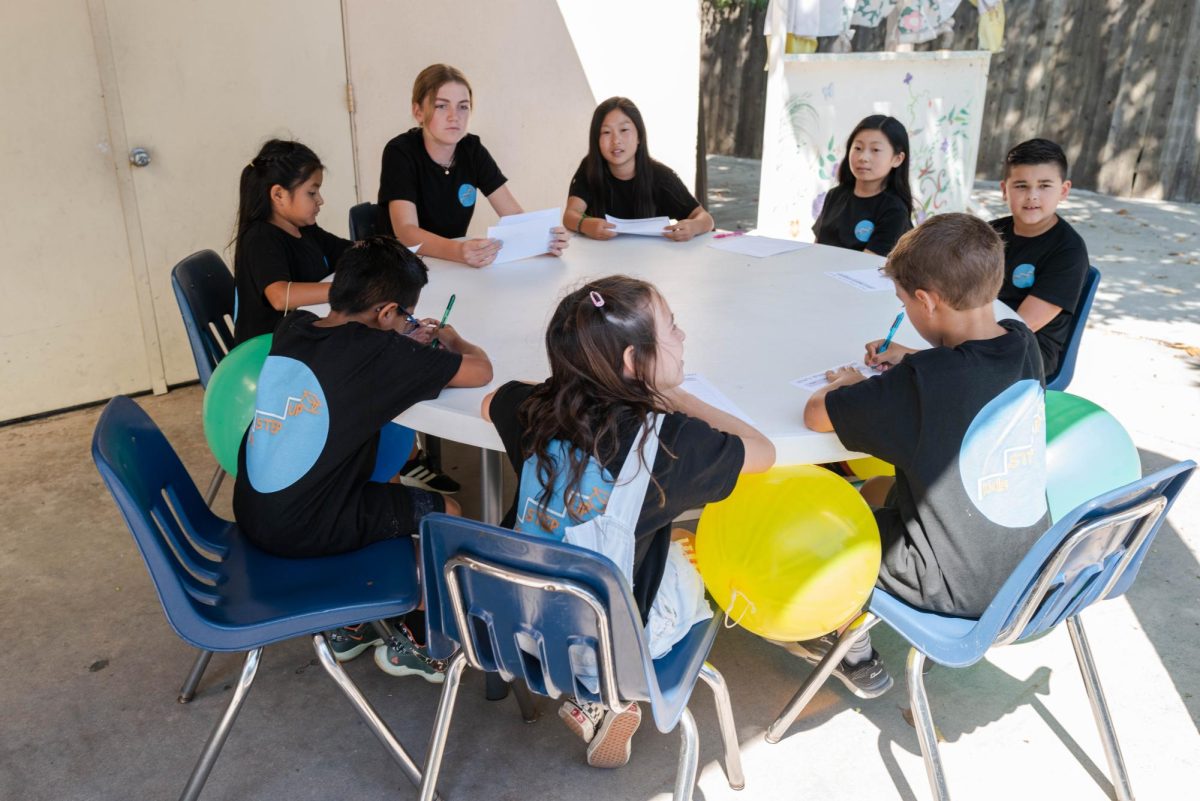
pixel 524 235
pixel 868 280
pixel 702 388
pixel 647 226
pixel 757 246
pixel 811 383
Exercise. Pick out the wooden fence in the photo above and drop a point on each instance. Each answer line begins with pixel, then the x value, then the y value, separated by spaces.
pixel 1116 83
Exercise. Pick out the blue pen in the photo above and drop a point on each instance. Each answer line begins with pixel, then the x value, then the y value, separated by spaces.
pixel 891 333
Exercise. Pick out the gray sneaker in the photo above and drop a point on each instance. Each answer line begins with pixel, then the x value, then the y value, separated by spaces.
pixel 402 658
pixel 866 679
pixel 348 642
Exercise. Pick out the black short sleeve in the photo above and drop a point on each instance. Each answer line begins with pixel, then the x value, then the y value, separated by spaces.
pixel 878 416
pixel 398 173
pixel 579 188
pixel 671 198
pixel 891 222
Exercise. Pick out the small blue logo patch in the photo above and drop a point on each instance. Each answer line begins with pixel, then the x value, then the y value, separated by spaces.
pixel 863 230
pixel 466 195
pixel 1002 461
pixel 1023 275
pixel 291 424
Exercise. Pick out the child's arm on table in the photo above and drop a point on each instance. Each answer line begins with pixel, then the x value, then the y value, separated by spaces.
pixel 1036 313
pixel 816 415
pixel 476 367
pixel 760 452
pixel 301 293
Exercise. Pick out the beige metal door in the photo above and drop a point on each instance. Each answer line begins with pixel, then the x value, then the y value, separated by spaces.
pixel 202 85
pixel 69 324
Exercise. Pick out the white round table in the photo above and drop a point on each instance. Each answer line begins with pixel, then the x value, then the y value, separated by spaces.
pixel 752 325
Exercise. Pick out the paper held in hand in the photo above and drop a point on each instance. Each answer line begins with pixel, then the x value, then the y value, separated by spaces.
pixel 647 226
pixel 811 383
pixel 524 235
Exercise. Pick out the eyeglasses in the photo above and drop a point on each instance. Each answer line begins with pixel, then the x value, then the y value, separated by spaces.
pixel 413 322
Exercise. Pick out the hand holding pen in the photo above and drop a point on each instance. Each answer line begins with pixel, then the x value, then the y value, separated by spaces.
pixel 883 353
pixel 445 316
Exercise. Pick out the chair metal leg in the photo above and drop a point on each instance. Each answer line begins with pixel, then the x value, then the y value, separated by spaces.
pixel 213 486
pixel 923 721
pixel 188 691
pixel 733 753
pixel 212 748
pixel 1108 735
pixel 689 758
pixel 861 625
pixel 526 701
pixel 365 710
pixel 441 725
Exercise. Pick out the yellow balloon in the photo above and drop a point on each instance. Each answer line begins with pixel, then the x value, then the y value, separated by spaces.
pixel 791 554
pixel 870 467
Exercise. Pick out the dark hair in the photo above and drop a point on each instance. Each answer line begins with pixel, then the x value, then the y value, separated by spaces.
pixel 1036 151
pixel 897 136
pixel 434 77
pixel 588 395
pixel 595 168
pixel 374 271
pixel 281 162
pixel 957 255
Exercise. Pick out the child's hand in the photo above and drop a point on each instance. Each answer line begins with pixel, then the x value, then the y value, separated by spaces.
pixel 558 240
pixel 479 252
pixel 894 353
pixel 425 331
pixel 598 228
pixel 843 376
pixel 448 337
pixel 681 231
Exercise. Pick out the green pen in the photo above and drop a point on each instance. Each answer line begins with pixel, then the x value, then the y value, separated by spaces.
pixel 445 315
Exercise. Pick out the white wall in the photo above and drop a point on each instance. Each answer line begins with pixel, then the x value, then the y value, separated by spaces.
pixel 538 68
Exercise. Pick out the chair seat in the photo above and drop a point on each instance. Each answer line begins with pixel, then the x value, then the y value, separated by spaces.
pixel 945 639
pixel 265 599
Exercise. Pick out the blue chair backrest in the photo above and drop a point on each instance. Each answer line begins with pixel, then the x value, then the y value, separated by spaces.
pixel 180 539
pixel 205 292
pixel 1066 366
pixel 1091 554
pixel 364 221
pixel 518 624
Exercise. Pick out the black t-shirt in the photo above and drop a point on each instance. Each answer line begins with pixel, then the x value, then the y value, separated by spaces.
pixel 671 197
pixel 444 201
pixel 965 428
pixel 696 464
pixel 267 254
pixel 862 223
pixel 304 466
pixel 1051 267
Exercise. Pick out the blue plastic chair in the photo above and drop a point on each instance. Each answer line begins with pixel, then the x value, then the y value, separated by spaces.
pixel 512 604
pixel 364 221
pixel 1091 554
pixel 204 290
pixel 243 599
pixel 1066 365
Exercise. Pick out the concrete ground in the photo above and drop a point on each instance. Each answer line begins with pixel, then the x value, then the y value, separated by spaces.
pixel 88 682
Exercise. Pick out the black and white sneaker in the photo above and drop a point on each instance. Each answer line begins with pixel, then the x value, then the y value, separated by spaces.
pixel 417 473
pixel 866 679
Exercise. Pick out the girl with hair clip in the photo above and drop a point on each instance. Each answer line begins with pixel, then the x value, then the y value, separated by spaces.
pixel 871 207
pixel 280 253
pixel 433 174
pixel 610 449
pixel 618 177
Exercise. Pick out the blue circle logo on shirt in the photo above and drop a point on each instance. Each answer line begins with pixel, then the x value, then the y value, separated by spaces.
pixel 1023 275
pixel 466 195
pixel 290 426
pixel 1002 461
pixel 863 230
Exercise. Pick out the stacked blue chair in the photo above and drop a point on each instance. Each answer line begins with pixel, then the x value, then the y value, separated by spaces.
pixel 1091 554
pixel 1066 365
pixel 364 221
pixel 512 604
pixel 246 599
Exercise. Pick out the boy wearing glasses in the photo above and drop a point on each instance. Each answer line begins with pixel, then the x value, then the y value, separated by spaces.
pixel 328 387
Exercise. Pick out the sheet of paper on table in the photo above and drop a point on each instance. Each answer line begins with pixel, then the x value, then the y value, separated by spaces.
pixel 811 383
pixel 702 388
pixel 647 226
pixel 524 235
pixel 868 280
pixel 757 246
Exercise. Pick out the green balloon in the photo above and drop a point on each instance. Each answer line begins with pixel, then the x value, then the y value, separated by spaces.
pixel 1088 453
pixel 229 399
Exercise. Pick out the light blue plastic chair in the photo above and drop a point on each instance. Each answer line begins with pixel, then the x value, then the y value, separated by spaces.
pixel 1066 365
pixel 512 604
pixel 220 593
pixel 1091 554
